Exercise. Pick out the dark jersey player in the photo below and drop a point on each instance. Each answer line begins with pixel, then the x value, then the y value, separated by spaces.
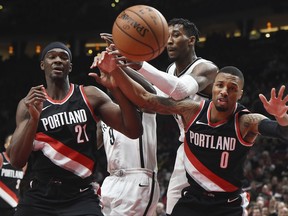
pixel 10 179
pixel 56 134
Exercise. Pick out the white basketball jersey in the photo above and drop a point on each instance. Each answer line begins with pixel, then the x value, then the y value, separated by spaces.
pixel 125 153
pixel 196 97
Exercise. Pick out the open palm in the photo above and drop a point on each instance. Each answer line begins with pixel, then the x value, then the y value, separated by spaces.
pixel 276 106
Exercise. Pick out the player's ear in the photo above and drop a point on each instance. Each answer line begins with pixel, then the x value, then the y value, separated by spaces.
pixel 240 95
pixel 70 67
pixel 192 40
pixel 42 65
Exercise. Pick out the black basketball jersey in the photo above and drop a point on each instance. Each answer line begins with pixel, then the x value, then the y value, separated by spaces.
pixel 65 142
pixel 9 184
pixel 215 152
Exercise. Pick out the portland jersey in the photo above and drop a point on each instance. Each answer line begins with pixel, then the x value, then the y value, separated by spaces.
pixel 125 153
pixel 65 142
pixel 9 184
pixel 197 97
pixel 215 152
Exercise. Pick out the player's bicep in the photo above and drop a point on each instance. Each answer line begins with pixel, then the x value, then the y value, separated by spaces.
pixel 110 113
pixel 249 126
pixel 204 73
pixel 22 113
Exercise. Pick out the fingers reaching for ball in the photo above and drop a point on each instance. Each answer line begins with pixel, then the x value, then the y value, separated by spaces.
pixel 107 37
pixel 106 62
pixel 34 100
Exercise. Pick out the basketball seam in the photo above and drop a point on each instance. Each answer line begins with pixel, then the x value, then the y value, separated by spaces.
pixel 150 53
pixel 155 40
pixel 153 33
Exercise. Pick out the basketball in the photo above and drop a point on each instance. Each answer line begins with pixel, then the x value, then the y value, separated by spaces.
pixel 140 33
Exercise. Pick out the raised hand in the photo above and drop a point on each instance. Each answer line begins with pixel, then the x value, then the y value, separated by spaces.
pixel 104 79
pixel 276 106
pixel 106 64
pixel 122 61
pixel 107 37
pixel 34 101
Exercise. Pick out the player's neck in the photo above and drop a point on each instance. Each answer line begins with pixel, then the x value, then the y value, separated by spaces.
pixel 57 92
pixel 216 116
pixel 183 65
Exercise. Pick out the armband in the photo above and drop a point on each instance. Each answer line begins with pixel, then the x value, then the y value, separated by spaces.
pixel 270 128
pixel 177 88
pixel 185 87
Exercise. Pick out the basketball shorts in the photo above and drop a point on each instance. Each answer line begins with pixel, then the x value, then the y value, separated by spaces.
pixel 57 199
pixel 130 192
pixel 213 204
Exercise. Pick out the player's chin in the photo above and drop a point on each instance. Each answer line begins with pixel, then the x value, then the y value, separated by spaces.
pixel 221 108
pixel 172 55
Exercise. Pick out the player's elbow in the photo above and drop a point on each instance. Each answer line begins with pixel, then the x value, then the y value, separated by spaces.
pixel 185 87
pixel 16 163
pixel 15 159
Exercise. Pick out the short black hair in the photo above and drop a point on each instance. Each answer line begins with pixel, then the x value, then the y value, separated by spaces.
pixel 233 71
pixel 55 44
pixel 189 27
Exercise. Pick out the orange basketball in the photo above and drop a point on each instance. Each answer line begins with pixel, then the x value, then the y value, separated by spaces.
pixel 140 33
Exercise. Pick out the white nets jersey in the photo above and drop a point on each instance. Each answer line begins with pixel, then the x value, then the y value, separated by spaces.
pixel 125 153
pixel 196 97
pixel 132 164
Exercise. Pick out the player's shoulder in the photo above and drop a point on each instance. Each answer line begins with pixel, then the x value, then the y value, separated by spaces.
pixel 95 95
pixel 205 63
pixel 1 159
pixel 92 90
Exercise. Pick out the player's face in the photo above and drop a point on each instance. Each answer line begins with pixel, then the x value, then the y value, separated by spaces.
pixel 227 90
pixel 178 43
pixel 56 64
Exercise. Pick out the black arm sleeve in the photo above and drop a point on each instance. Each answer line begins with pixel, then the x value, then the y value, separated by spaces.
pixel 271 128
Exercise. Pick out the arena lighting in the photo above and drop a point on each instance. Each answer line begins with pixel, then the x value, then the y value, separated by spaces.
pixel 267 35
pixel 237 34
pixel 284 27
pixel 95 45
pixel 202 39
pixel 11 50
pixel 268 30
pixel 38 49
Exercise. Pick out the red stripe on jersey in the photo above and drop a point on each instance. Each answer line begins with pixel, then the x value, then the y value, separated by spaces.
pixel 66 151
pixel 88 103
pixel 195 115
pixel 69 94
pixel 9 192
pixel 226 186
pixel 216 124
pixel 238 132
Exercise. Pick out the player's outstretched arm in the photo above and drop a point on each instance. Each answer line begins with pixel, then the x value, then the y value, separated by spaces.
pixel 177 88
pixel 277 107
pixel 141 97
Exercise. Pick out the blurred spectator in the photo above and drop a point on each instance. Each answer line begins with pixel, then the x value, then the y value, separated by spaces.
pixel 9 183
pixel 160 209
